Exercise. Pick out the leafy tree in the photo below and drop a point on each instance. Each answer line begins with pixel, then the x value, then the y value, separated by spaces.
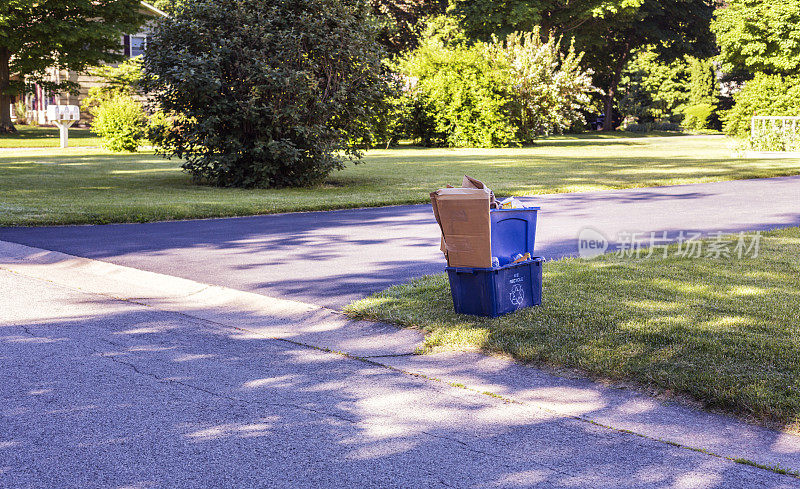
pixel 264 93
pixel 703 94
pixel 608 31
pixel 759 36
pixel 64 34
pixel 401 21
pixel 123 79
pixel 652 89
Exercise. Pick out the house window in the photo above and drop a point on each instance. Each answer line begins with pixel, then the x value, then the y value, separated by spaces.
pixel 138 45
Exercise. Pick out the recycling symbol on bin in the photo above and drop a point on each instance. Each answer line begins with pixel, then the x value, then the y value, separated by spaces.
pixel 517 295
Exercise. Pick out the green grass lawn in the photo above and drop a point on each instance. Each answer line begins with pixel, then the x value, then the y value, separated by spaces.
pixel 725 332
pixel 47 137
pixel 94 186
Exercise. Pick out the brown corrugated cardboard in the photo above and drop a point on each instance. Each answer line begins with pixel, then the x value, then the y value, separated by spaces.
pixel 469 182
pixel 463 216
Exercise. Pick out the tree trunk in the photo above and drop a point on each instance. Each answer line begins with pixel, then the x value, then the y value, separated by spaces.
pixel 5 97
pixel 608 122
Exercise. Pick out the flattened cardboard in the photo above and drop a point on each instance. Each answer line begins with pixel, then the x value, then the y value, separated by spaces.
pixel 463 216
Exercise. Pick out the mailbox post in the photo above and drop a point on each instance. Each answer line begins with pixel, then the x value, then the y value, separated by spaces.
pixel 63 116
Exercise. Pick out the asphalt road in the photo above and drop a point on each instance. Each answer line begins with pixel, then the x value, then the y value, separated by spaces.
pixel 332 258
pixel 100 393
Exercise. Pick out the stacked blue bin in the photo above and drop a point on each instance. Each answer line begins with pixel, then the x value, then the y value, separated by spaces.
pixel 500 290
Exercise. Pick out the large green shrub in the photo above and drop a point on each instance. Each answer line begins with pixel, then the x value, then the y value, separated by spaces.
pixel 763 95
pixel 697 117
pixel 267 93
pixel 492 94
pixel 117 113
pixel 463 94
pixel 120 121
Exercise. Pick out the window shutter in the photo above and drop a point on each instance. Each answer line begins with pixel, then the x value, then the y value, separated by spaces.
pixel 126 41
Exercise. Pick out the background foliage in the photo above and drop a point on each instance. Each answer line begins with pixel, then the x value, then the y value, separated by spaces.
pixel 652 89
pixel 759 36
pixel 610 32
pixel 763 95
pixel 682 91
pixel 495 93
pixel 703 97
pixel 462 93
pixel 62 34
pixel 551 89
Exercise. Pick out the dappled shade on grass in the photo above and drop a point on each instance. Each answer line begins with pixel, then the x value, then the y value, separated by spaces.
pixel 81 186
pixel 724 331
pixel 47 137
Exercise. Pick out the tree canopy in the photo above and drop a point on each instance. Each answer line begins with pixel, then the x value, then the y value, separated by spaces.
pixel 64 34
pixel 608 31
pixel 401 21
pixel 759 36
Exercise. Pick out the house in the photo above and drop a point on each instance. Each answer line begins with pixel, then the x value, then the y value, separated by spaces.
pixel 36 102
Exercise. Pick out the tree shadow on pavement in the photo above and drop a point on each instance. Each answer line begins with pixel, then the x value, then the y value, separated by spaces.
pixel 130 396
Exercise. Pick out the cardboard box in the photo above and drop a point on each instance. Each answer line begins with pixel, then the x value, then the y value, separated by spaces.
pixel 463 217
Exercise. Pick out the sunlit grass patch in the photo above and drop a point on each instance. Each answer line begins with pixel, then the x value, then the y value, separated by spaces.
pixel 47 137
pixel 725 332
pixel 81 185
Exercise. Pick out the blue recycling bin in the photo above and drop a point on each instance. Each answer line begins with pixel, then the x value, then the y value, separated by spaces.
pixel 513 232
pixel 493 292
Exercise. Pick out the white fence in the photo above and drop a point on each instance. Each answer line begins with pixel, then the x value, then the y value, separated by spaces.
pixel 774 124
pixel 773 136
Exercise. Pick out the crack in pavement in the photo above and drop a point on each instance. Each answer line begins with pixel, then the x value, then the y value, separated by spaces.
pixel 395 355
pixel 162 380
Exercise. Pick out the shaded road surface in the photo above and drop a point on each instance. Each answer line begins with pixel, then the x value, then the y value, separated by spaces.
pixel 332 258
pixel 98 392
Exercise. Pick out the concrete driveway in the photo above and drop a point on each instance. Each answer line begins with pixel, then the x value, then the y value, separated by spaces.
pixel 332 258
pixel 132 388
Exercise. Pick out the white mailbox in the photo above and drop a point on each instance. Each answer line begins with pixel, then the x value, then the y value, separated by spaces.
pixel 63 113
pixel 63 116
